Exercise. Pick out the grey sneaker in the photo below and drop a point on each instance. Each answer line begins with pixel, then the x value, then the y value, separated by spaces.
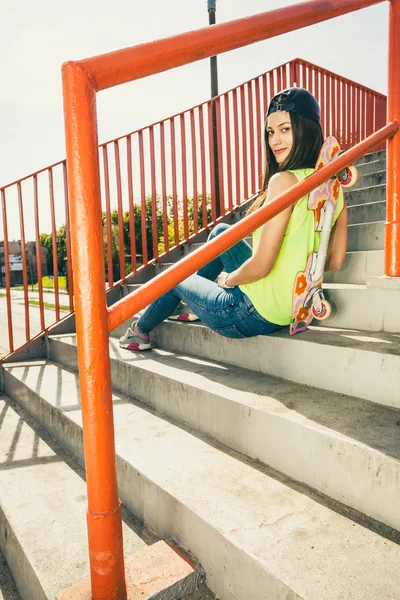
pixel 183 313
pixel 135 341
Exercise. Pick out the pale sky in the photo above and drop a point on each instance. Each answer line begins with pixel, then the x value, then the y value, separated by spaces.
pixel 37 37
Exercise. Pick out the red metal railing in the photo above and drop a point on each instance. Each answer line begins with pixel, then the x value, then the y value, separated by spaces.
pixel 30 207
pixel 171 164
pixel 159 184
pixel 81 82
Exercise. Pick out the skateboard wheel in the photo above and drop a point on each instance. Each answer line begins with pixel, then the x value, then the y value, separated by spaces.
pixel 326 310
pixel 349 176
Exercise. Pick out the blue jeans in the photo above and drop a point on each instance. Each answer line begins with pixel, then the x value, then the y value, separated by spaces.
pixel 228 312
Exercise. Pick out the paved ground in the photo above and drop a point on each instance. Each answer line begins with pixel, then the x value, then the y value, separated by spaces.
pixel 8 591
pixel 18 317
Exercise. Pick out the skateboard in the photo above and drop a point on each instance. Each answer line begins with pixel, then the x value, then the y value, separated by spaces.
pixel 308 298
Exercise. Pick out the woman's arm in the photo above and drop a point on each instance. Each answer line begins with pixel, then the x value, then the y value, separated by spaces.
pixel 337 243
pixel 262 261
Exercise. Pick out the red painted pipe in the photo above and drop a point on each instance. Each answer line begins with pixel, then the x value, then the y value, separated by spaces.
pixel 392 225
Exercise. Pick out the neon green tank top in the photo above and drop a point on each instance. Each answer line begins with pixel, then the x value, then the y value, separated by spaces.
pixel 272 295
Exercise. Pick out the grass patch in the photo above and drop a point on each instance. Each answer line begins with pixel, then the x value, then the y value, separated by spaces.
pixel 2 295
pixel 48 305
pixel 47 283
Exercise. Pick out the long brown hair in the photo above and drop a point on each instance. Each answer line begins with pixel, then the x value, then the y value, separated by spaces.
pixel 307 143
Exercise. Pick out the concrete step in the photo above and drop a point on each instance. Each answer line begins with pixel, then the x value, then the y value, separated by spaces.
pixel 365 236
pixel 229 514
pixel 359 307
pixel 307 356
pixel 43 533
pixel 374 193
pixel 8 589
pixel 367 213
pixel 371 157
pixel 371 167
pixel 370 179
pixel 236 407
pixel 357 267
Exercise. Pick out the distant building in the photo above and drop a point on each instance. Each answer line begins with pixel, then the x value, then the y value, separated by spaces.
pixel 16 264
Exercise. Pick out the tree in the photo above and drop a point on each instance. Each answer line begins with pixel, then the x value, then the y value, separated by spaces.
pixel 46 239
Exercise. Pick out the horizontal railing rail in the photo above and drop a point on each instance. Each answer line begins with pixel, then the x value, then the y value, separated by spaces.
pixel 162 283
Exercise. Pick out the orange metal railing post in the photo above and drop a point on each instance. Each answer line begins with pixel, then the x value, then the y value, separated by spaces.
pixel 392 225
pixel 104 510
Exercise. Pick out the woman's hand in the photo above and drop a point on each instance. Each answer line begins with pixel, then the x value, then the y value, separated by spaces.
pixel 222 281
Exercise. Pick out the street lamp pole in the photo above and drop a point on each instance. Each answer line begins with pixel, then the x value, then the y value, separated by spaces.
pixel 214 93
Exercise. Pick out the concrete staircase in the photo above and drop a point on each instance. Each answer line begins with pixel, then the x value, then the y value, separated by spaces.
pixel 273 461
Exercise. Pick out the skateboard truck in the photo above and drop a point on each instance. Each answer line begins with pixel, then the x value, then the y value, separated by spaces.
pixel 316 302
pixel 349 175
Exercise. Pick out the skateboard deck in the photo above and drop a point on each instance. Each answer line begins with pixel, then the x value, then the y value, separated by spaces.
pixel 308 299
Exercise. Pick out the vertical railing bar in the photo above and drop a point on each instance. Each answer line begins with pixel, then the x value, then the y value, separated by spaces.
pixel 362 105
pixel 367 113
pixel 203 166
pixel 292 73
pixel 38 252
pixel 303 75
pixel 55 249
pixel 284 77
pixel 70 283
pixel 131 203
pixel 108 217
pixel 338 109
pixel 7 273
pixel 174 188
pixel 343 115
pixel 221 169
pixel 153 193
pixel 323 102
pixel 271 88
pixel 348 116
pixel 194 173
pixel 371 113
pixel 120 211
pixel 24 265
pixel 353 115
pixel 143 207
pixel 212 169
pixel 237 149
pixel 258 133
pixel 279 79
pixel 356 116
pixel 316 85
pixel 228 151
pixel 244 143
pixel 184 178
pixel 164 188
pixel 251 138
pixel 265 93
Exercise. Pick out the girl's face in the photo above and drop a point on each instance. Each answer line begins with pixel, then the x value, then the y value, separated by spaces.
pixel 280 135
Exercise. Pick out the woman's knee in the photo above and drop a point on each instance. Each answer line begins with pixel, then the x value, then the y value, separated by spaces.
pixel 220 228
